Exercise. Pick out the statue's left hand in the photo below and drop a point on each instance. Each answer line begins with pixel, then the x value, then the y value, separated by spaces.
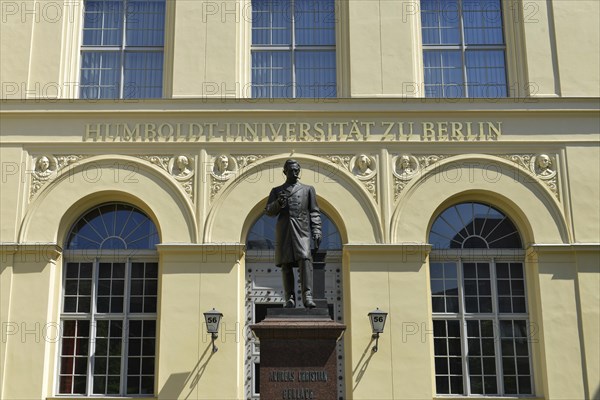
pixel 317 240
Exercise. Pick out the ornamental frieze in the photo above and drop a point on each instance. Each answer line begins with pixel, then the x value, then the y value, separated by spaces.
pixel 362 166
pixel 180 167
pixel 543 166
pixel 225 166
pixel 405 167
pixel 47 167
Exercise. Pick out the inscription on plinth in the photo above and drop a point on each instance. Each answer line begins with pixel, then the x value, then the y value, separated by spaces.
pixel 298 357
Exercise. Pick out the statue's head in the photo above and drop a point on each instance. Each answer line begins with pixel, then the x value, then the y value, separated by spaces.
pixel 291 169
pixel 290 163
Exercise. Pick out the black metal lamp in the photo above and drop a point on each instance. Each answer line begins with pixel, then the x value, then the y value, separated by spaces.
pixel 377 318
pixel 213 319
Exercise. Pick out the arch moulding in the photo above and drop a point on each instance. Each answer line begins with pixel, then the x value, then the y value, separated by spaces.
pixel 344 199
pixel 58 205
pixel 473 177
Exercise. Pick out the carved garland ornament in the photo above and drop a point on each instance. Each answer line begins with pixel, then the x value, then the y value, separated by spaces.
pixel 542 166
pixel 406 167
pixel 362 166
pixel 47 167
pixel 224 167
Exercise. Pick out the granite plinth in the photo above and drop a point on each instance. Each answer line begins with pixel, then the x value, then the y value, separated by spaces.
pixel 298 354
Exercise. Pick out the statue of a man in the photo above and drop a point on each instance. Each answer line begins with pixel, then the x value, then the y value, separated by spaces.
pixel 298 226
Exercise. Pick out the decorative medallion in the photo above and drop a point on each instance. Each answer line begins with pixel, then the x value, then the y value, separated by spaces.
pixel 224 167
pixel 362 166
pixel 47 167
pixel 180 167
pixel 407 166
pixel 542 166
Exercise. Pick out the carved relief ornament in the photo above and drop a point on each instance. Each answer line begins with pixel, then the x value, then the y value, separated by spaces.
pixel 224 167
pixel 362 166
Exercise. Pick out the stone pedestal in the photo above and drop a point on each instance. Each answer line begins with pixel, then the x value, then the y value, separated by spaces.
pixel 298 354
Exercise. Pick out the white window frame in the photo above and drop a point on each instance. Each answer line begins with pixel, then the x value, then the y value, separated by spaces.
pixel 517 81
pixel 79 256
pixel 244 68
pixel 492 257
pixel 122 49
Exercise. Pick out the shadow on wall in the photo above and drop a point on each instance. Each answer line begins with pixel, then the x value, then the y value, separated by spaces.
pixel 182 385
pixel 361 366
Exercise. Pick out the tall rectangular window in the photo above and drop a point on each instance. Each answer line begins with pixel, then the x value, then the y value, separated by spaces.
pixel 108 322
pixel 122 49
pixel 480 328
pixel 293 48
pixel 464 51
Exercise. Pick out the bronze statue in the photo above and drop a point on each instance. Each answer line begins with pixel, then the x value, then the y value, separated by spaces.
pixel 298 226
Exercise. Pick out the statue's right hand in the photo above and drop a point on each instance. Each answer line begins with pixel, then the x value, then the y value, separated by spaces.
pixel 282 199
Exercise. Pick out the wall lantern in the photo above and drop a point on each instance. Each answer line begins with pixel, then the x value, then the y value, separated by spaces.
pixel 377 319
pixel 213 318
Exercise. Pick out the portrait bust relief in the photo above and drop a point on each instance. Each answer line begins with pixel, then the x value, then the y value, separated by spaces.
pixel 543 166
pixel 44 166
pixel 363 166
pixel 224 167
pixel 405 166
pixel 181 167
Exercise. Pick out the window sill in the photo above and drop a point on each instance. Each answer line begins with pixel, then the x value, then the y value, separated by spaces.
pixel 478 397
pixel 70 396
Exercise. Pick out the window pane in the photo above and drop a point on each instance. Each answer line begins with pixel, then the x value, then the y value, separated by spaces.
pixel 443 69
pixel 100 79
pixel 271 22
pixel 102 23
pixel 448 364
pixel 315 74
pixel 74 355
pixel 314 22
pixel 271 74
pixel 440 21
pixel 143 79
pixel 515 351
pixel 486 75
pixel 140 369
pixel 482 21
pixel 145 23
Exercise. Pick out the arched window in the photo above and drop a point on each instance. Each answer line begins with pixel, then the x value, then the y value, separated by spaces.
pixel 113 226
pixel 262 234
pixel 109 301
pixel 479 303
pixel 264 289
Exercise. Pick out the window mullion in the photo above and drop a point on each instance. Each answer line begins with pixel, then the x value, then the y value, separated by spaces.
pixel 496 326
pixel 463 47
pixel 293 54
pixel 123 44
pixel 463 331
pixel 92 329
pixel 125 330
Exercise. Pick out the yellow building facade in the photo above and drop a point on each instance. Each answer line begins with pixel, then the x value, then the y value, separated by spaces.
pixel 473 222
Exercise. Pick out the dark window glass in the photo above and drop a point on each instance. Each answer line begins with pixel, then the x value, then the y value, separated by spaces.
pixel 463 48
pixel 113 226
pixel 293 48
pixel 474 225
